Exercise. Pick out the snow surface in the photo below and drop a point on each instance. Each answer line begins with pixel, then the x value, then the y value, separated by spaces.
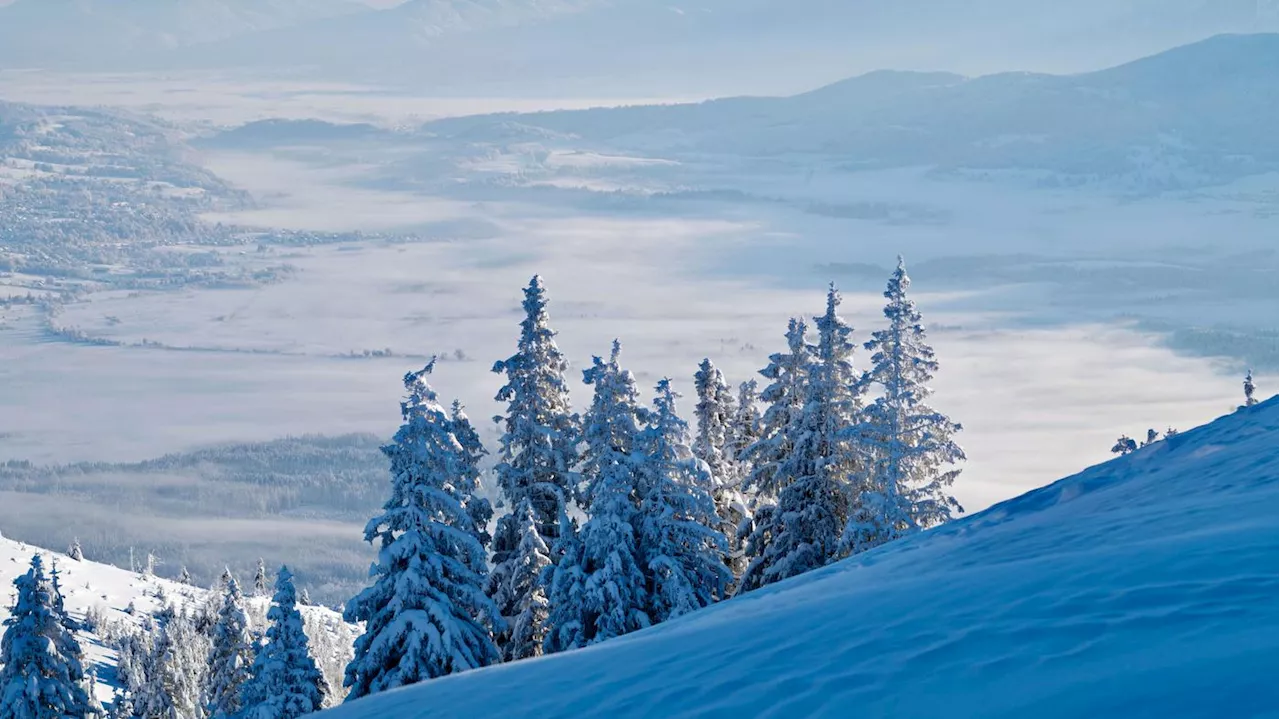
pixel 1145 586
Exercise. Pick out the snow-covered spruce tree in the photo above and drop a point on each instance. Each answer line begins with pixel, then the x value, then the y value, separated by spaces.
pixel 788 373
pixel 715 414
pixel 746 425
pixel 802 531
pixel 478 508
pixel 121 705
pixel 68 645
pixel 911 445
pixel 285 682
pixel 260 579
pixel 676 526
pixel 184 577
pixel 538 450
pixel 1249 389
pixel 230 656
pixel 519 584
pixel 598 587
pixel 180 670
pixel 74 552
pixel 426 614
pixel 37 680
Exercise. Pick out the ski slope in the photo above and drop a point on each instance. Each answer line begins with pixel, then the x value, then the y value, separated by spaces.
pixel 1145 586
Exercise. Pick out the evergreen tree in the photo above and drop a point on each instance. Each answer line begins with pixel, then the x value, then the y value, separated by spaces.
pixel 67 644
pixel 1124 445
pixel 285 683
pixel 518 584
pixel 682 550
pixel 746 424
pixel 184 577
pixel 74 552
pixel 121 705
pixel 715 414
pixel 1249 389
pixel 785 396
pixel 598 586
pixel 230 655
pixel 426 614
pixel 911 445
pixel 802 531
pixel 260 579
pixel 38 680
pixel 175 673
pixel 538 452
pixel 478 508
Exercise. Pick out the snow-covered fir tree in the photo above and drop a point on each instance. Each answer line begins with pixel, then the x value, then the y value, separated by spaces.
pixel 260 579
pixel 67 644
pixel 911 445
pixel 1124 445
pixel 784 397
pixel 176 671
pixel 478 508
pixel 285 682
pixel 1249 389
pixel 538 450
pixel 715 414
pixel 74 552
pixel 427 614
pixel 598 587
pixel 38 679
pixel 518 583
pixel 121 705
pixel 231 654
pixel 682 548
pixel 802 530
pixel 746 425
pixel 184 577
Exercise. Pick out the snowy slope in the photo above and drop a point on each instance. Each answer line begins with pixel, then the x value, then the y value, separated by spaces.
pixel 1145 586
pixel 110 590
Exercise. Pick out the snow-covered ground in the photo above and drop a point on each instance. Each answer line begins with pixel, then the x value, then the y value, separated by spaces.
pixel 109 591
pixel 1145 586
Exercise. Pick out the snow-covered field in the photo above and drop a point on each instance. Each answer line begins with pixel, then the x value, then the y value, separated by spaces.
pixel 1143 587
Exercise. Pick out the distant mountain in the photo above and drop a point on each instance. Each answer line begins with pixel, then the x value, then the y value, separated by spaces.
pixel 1202 112
pixel 619 48
pixel 92 34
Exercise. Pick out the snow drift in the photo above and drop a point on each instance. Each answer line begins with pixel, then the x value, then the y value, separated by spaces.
pixel 1145 586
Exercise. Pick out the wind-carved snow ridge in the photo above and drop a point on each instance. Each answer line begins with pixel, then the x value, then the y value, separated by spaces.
pixel 1145 586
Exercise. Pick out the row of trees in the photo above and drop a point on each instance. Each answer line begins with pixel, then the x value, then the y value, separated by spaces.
pixel 188 665
pixel 207 663
pixel 1127 445
pixel 610 521
pixel 621 517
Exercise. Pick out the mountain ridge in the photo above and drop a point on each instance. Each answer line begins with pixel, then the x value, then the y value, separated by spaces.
pixel 1146 118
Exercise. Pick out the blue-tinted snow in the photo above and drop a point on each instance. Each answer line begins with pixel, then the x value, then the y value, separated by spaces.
pixel 1145 586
